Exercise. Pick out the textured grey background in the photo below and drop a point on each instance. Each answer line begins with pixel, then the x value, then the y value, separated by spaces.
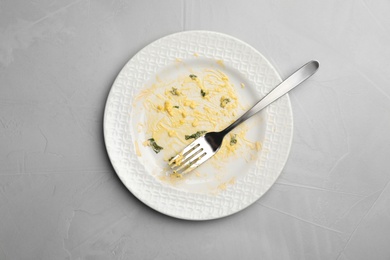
pixel 61 199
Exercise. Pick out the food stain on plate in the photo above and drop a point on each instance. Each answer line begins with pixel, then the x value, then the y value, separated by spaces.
pixel 177 110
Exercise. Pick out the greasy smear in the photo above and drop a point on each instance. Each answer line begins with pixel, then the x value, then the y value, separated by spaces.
pixel 180 110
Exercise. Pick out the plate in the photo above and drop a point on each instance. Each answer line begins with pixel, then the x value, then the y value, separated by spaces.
pixel 218 191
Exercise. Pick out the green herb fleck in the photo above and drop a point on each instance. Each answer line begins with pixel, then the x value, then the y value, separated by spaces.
pixel 202 93
pixel 174 91
pixel 196 135
pixel 170 159
pixel 156 148
pixel 224 102
pixel 176 106
pixel 233 140
pixel 193 77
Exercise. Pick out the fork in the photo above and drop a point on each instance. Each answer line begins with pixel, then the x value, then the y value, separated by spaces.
pixel 204 147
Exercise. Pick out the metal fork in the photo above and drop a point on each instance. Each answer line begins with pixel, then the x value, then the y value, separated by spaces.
pixel 204 147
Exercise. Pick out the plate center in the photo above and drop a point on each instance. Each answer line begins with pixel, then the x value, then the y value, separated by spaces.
pixel 227 167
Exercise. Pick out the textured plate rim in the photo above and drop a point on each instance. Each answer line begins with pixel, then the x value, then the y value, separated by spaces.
pixel 117 170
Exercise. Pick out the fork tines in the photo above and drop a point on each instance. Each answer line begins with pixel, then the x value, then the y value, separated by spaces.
pixel 188 159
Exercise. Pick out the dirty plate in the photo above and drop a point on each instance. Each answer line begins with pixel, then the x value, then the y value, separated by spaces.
pixel 216 191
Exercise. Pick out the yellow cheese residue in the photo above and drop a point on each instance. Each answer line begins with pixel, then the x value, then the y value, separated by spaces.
pixel 168 107
pixel 179 160
pixel 137 150
pixel 220 63
pixel 203 100
pixel 258 146
pixel 223 186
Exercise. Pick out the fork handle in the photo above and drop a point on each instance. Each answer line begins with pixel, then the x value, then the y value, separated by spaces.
pixel 285 86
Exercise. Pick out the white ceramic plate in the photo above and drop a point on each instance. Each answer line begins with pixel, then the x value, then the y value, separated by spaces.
pixel 220 191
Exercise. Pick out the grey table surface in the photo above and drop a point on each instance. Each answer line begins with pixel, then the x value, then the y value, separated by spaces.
pixel 60 197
